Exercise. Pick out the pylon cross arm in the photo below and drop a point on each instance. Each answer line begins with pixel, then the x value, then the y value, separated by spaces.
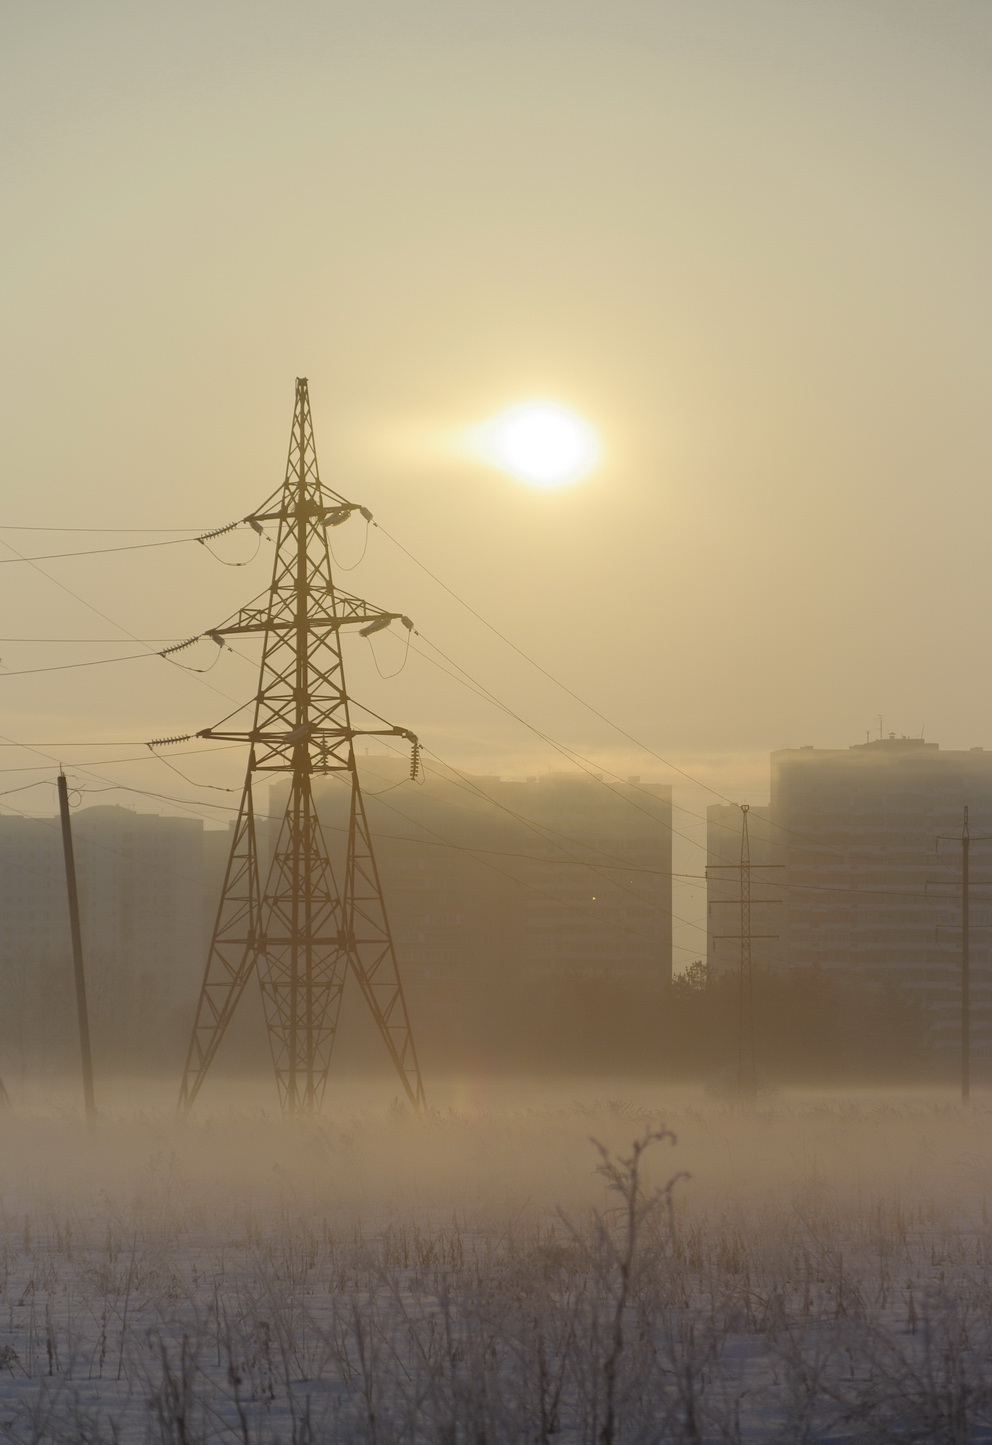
pixel 300 734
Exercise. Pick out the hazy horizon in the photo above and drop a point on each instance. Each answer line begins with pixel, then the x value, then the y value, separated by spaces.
pixel 747 244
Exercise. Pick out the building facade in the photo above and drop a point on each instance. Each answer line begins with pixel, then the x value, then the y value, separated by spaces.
pixel 556 876
pixel 144 903
pixel 869 837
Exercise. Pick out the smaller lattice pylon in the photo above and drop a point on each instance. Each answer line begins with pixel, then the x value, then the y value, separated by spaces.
pixel 747 1074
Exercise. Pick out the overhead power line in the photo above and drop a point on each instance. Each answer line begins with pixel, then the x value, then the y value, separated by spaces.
pixel 120 627
pixel 128 547
pixel 95 641
pixel 550 675
pixel 11 527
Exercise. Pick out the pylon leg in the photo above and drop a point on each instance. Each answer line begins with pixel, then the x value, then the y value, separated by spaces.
pixel 373 957
pixel 302 958
pixel 231 958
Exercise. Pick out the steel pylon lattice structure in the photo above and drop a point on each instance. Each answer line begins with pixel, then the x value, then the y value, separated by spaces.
pixel 747 1077
pixel 300 933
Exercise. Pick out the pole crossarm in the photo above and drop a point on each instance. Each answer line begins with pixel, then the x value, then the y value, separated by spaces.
pixel 256 619
pixel 301 932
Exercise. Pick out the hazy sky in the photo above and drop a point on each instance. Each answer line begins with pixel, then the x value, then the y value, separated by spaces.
pixel 747 240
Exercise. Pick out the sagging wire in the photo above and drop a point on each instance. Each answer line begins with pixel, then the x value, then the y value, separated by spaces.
pixel 367 515
pixel 255 526
pixel 167 652
pixel 183 738
pixel 23 787
pixel 90 607
pixel 551 677
pixel 406 654
pixel 401 784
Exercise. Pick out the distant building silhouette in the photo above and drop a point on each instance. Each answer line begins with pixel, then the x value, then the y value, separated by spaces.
pixel 142 897
pixel 473 892
pixel 487 910
pixel 856 829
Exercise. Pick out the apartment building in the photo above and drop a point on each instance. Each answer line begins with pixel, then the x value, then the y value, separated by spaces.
pixel 869 837
pixel 561 875
pixel 143 907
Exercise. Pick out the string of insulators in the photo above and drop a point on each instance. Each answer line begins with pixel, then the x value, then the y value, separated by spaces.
pixel 218 531
pixel 414 760
pixel 164 742
pixel 179 646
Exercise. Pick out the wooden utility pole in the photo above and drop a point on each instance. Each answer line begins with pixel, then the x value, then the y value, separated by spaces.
pixel 77 957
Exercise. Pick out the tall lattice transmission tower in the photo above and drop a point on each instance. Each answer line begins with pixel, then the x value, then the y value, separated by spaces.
pixel 302 932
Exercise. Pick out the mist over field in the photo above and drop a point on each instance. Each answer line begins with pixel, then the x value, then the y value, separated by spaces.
pixel 807 1267
pixel 646 348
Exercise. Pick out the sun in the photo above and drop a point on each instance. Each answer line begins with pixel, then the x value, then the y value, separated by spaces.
pixel 541 442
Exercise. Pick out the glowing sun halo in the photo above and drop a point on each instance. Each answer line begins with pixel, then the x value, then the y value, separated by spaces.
pixel 540 442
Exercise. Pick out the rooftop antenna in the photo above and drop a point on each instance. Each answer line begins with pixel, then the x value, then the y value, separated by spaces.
pixel 301 934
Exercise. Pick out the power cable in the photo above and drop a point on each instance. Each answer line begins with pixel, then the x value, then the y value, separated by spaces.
pixel 589 767
pixel 69 666
pixel 541 831
pixel 387 676
pixel 442 842
pixel 559 902
pixel 127 632
pixel 151 864
pixel 180 774
pixel 204 537
pixel 584 763
pixel 112 762
pixel 95 641
pixel 549 675
pixel 350 567
pixel 6 527
pixel 468 786
pixel 577 862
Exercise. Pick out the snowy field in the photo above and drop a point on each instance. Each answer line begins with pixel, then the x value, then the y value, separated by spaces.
pixel 824 1273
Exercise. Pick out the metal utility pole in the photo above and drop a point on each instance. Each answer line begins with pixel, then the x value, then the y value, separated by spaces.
pixel 301 934
pixel 82 1011
pixel 746 1064
pixel 966 840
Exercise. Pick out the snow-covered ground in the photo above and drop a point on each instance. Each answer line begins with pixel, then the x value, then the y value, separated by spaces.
pixel 488 1275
